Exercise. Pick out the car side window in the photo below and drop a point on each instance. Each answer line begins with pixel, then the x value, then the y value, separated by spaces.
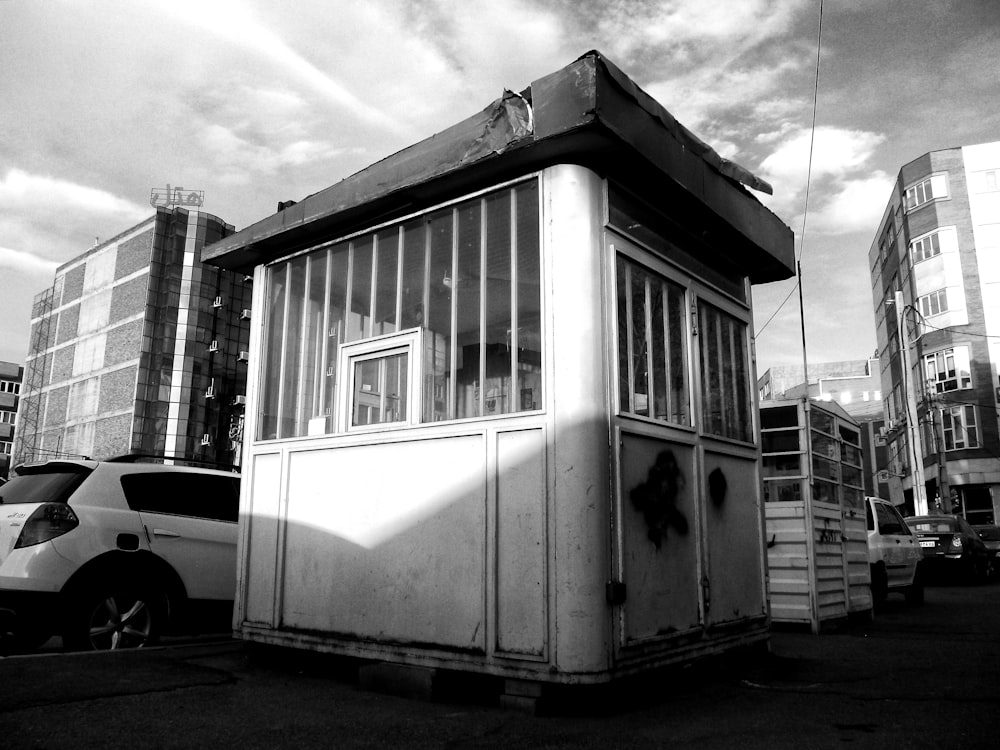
pixel 869 519
pixel 889 521
pixel 903 528
pixel 211 496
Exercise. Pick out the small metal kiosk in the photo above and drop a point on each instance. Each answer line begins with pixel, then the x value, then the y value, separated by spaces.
pixel 500 415
pixel 817 543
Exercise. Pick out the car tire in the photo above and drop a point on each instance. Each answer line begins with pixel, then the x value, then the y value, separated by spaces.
pixel 914 593
pixel 116 615
pixel 880 586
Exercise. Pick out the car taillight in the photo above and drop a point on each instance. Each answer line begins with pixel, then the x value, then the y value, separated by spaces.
pixel 47 522
pixel 956 541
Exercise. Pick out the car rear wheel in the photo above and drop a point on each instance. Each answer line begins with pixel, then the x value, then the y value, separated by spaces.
pixel 115 617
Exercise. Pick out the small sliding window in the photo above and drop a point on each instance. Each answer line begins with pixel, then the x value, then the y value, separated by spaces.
pixel 381 376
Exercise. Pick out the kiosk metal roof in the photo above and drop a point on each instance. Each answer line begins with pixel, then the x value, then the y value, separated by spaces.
pixel 588 113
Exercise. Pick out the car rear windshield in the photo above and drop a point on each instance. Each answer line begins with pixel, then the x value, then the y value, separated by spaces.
pixel 933 525
pixel 42 487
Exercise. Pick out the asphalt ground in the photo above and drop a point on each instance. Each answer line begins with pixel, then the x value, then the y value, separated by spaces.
pixel 914 677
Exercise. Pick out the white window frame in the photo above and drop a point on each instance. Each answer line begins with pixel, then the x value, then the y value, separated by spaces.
pixel 924 248
pixel 927 302
pixel 405 342
pixel 931 188
pixel 967 428
pixel 959 359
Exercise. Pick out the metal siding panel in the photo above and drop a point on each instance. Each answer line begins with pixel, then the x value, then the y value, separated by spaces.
pixel 522 618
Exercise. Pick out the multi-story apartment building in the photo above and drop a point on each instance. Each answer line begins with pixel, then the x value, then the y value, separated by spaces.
pixel 935 268
pixel 139 348
pixel 11 375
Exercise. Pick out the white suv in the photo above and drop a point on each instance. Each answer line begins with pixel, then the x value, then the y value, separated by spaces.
pixel 894 553
pixel 110 554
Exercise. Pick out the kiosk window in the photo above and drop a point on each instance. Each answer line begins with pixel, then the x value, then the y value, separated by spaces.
pixel 465 276
pixel 725 374
pixel 652 352
pixel 379 390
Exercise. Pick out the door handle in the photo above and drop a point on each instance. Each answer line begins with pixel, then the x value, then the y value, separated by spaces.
pixel 166 533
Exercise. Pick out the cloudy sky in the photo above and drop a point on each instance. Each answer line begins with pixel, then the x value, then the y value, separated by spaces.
pixel 255 102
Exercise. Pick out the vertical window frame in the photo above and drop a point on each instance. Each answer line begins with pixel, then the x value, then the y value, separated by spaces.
pixel 530 330
pixel 681 413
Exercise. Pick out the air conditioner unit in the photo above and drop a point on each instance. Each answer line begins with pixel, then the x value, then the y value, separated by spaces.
pixel 217 302
pixel 243 356
pixel 245 313
pixel 206 439
pixel 214 346
pixel 240 401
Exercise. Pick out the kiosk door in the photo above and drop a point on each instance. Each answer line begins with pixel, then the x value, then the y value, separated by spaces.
pixel 656 540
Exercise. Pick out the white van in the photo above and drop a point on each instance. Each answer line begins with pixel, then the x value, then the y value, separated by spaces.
pixel 893 553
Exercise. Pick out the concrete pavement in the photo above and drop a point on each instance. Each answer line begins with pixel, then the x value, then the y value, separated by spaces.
pixel 916 677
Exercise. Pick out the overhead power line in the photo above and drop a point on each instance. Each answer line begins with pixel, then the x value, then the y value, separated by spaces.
pixel 805 208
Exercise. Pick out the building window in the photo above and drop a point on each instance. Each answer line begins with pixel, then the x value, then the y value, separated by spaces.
pixel 932 188
pixel 467 277
pixel 959 427
pixel 725 379
pixel 8 417
pixel 9 386
pixel 934 303
pixel 986 181
pixel 948 370
pixel 652 351
pixel 5 447
pixel 925 247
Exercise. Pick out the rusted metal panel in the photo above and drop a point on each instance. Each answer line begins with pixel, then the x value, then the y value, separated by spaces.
pixel 662 573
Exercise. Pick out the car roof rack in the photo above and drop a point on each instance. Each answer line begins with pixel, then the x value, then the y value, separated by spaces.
pixel 205 463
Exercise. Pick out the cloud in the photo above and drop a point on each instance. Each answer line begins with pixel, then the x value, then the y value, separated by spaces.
pixel 836 153
pixel 20 191
pixel 846 193
pixel 231 147
pixel 237 23
pixel 27 263
pixel 857 206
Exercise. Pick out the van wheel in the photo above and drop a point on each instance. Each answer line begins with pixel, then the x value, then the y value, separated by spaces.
pixel 915 591
pixel 116 615
pixel 880 586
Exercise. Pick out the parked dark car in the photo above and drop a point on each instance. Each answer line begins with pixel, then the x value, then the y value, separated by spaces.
pixel 991 538
pixel 951 547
